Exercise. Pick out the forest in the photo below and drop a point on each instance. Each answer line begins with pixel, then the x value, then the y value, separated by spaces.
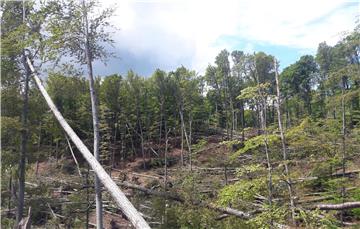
pixel 244 145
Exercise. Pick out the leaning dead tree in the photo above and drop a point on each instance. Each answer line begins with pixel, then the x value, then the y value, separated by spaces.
pixel 124 204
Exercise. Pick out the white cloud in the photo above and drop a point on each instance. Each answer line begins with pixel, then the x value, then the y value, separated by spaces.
pixel 189 32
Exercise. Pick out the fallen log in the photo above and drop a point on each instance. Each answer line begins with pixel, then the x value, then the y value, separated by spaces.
pixel 168 195
pixel 173 196
pixel 347 205
pixel 347 173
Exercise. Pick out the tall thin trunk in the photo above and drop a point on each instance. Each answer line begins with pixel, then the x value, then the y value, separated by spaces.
pixel 38 150
pixel 242 122
pixel 10 192
pixel 283 144
pixel 262 114
pixel 73 155
pixel 182 144
pixel 114 143
pixel 165 156
pixel 343 145
pixel 24 135
pixel 190 153
pixel 87 198
pixel 95 116
pixel 161 120
pixel 186 136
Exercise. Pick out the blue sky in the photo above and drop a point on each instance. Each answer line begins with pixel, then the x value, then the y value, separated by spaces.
pixel 166 34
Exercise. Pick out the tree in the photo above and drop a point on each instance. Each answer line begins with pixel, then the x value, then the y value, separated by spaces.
pixel 83 38
pixel 299 78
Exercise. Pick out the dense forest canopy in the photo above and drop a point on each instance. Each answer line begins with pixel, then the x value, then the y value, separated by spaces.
pixel 240 146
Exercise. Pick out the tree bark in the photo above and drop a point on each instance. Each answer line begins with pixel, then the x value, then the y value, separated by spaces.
pixel 95 117
pixel 73 155
pixel 343 206
pixel 186 136
pixel 343 145
pixel 125 205
pixel 262 114
pixel 283 143
pixel 24 137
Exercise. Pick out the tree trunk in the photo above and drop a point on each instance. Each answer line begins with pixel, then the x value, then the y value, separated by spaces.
pixel 24 137
pixel 190 153
pixel 283 144
pixel 87 198
pixel 114 143
pixel 95 116
pixel 10 192
pixel 343 145
pixel 125 205
pixel 262 114
pixel 242 122
pixel 182 144
pixel 73 155
pixel 186 136
pixel 165 156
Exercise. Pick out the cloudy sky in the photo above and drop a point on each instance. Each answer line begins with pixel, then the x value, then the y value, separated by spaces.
pixel 166 34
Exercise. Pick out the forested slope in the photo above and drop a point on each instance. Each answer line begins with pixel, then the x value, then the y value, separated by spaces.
pixel 241 146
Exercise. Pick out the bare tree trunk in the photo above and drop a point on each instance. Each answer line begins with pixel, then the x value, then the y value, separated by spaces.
pixel 242 122
pixel 262 114
pixel 165 156
pixel 38 150
pixel 87 198
pixel 10 192
pixel 283 144
pixel 24 135
pixel 124 204
pixel 343 146
pixel 161 120
pixel 114 144
pixel 190 153
pixel 182 144
pixel 95 116
pixel 186 136
pixel 73 155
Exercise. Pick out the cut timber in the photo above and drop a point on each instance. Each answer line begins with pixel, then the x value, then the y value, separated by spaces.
pixel 347 205
pixel 124 204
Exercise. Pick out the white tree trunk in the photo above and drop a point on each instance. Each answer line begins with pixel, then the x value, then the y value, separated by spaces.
pixel 95 117
pixel 124 204
pixel 283 144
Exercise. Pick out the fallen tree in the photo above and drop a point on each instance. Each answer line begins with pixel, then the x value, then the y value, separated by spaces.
pixel 343 206
pixel 124 204
pixel 176 197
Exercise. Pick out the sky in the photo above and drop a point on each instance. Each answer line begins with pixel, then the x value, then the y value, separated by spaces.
pixel 166 34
